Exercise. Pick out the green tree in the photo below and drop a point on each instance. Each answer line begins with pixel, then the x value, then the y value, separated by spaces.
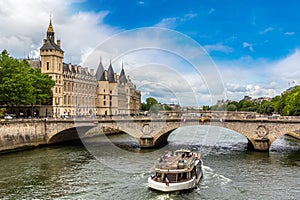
pixel 144 106
pixel 42 84
pixel 245 105
pixel 156 108
pixel 231 107
pixel 151 101
pixel 15 83
pixel 205 108
pixel 20 84
pixel 266 107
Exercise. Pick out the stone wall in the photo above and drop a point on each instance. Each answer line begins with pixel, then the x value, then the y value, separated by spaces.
pixel 21 134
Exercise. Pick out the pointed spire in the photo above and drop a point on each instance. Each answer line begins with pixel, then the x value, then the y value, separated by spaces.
pixel 49 42
pixel 122 75
pixel 110 73
pixel 100 71
pixel 50 27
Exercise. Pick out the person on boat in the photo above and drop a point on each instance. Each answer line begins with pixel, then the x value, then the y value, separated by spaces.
pixel 167 180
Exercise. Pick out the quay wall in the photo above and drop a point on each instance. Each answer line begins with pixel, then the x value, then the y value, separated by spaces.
pixel 17 134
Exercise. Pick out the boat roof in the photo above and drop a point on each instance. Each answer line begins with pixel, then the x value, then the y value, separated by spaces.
pixel 181 160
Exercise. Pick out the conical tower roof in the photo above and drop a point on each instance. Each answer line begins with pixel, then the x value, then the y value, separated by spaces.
pixel 111 74
pixel 100 72
pixel 123 78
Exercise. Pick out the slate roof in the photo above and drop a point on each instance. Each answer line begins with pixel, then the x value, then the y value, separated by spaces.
pixel 100 76
pixel 123 78
pixel 49 43
pixel 110 74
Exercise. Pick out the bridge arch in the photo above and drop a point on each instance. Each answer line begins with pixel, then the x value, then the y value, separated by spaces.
pixel 162 137
pixel 69 134
pixel 260 134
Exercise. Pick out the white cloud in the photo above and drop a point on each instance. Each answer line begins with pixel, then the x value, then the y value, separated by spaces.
pixel 259 78
pixel 287 69
pixel 173 22
pixel 24 25
pixel 269 29
pixel 170 22
pixel 289 33
pixel 167 75
pixel 248 45
pixel 164 64
pixel 218 47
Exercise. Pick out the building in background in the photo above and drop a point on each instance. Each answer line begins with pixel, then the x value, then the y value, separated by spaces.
pixel 79 91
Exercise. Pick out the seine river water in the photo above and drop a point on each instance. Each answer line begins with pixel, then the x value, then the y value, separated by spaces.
pixel 117 169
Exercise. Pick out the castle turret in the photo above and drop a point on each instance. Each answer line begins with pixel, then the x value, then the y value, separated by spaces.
pixel 52 64
pixel 100 76
pixel 122 77
pixel 110 74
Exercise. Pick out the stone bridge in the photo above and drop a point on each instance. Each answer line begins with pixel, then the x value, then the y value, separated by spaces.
pixel 261 133
pixel 149 132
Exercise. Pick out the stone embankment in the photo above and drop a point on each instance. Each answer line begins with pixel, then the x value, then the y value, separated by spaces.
pixel 16 134
pixel 28 133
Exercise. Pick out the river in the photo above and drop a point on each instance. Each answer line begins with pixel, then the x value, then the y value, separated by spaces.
pixel 115 168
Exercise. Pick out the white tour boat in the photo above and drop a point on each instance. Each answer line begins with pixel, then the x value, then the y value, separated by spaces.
pixel 179 170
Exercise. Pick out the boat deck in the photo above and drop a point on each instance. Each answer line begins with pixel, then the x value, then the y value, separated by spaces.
pixel 180 160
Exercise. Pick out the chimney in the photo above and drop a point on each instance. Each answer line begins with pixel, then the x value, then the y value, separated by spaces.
pixel 70 67
pixel 58 43
pixel 92 72
pixel 86 70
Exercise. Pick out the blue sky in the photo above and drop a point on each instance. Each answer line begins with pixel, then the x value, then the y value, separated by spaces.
pixel 260 29
pixel 253 46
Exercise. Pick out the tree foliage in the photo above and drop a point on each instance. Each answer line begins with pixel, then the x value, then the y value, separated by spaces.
pixel 153 106
pixel 20 84
pixel 287 104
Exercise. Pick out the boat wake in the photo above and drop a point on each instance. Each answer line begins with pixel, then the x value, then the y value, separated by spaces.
pixel 209 176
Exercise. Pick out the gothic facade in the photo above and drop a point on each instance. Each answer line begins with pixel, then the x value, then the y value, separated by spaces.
pixel 79 91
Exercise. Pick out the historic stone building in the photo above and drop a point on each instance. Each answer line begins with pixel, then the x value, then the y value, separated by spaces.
pixel 78 91
pixel 116 94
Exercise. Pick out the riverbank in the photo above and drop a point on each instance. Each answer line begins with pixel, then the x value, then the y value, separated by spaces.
pixel 16 135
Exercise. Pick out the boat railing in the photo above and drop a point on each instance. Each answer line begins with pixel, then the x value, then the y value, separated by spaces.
pixel 175 162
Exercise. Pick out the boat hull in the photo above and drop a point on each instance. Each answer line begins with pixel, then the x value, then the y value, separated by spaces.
pixel 192 183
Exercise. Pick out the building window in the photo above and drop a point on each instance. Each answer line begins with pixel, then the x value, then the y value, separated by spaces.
pixel 104 96
pixel 110 97
pixel 47 64
pixel 104 102
pixel 110 104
